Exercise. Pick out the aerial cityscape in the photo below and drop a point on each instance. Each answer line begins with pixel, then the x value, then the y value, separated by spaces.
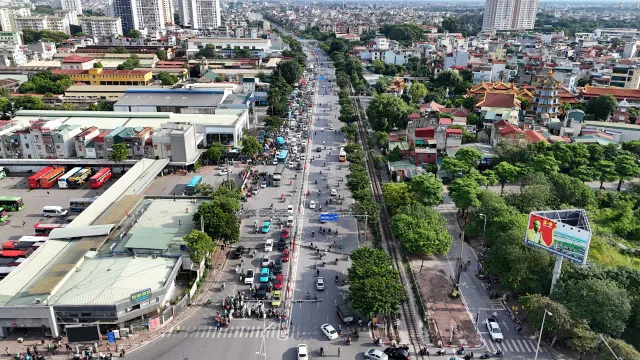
pixel 395 180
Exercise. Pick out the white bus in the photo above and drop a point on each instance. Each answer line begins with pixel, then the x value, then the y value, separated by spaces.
pixel 62 181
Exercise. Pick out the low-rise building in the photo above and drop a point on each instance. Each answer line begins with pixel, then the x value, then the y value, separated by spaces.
pixel 226 46
pixel 64 141
pixel 12 55
pixel 76 62
pixel 82 139
pixel 100 76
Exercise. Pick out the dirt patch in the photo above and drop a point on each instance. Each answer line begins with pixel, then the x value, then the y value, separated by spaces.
pixel 448 320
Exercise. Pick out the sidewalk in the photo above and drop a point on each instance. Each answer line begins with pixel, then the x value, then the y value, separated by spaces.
pixel 10 344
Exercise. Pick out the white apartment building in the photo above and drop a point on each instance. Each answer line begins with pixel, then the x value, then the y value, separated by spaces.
pixel 200 14
pixel 509 15
pixel 382 43
pixel 48 22
pixel 70 15
pixel 11 55
pixel 10 37
pixel 456 58
pixel 9 14
pixel 169 10
pixel 139 14
pixel 226 46
pixel 74 6
pixel 101 26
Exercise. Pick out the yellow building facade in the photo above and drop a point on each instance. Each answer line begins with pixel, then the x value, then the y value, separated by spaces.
pixel 100 76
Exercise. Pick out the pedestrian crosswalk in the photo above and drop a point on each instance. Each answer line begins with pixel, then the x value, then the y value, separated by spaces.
pixel 210 331
pixel 513 346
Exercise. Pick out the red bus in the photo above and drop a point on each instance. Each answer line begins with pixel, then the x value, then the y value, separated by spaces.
pixel 102 176
pixel 51 178
pixel 45 229
pixel 14 253
pixel 34 180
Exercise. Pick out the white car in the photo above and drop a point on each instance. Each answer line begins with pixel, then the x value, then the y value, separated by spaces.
pixel 494 330
pixel 292 164
pixel 312 204
pixel 319 283
pixel 265 261
pixel 375 354
pixel 248 279
pixel 274 161
pixel 304 128
pixel 223 172
pixel 298 135
pixel 334 192
pixel 330 127
pixel 263 184
pixel 268 245
pixel 290 209
pixel 303 352
pixel 329 331
pixel 302 156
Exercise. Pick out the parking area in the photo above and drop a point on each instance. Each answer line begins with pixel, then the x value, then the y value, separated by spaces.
pixel 176 183
pixel 21 223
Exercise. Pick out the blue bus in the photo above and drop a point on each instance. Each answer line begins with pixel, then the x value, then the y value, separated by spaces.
pixel 193 184
pixel 283 157
pixel 63 180
pixel 281 142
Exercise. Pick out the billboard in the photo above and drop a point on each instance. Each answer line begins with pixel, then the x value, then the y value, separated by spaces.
pixel 560 237
pixel 141 295
pixel 83 333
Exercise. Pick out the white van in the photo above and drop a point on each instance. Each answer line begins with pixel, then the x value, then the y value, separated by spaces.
pixel 54 211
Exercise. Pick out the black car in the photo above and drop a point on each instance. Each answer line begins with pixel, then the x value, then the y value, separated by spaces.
pixel 282 243
pixel 397 353
pixel 261 293
pixel 237 253
pixel 319 149
pixel 277 266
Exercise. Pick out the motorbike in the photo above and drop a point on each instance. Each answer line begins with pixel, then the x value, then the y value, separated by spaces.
pixel 441 351
pixel 519 330
pixel 486 355
pixel 347 340
pixel 468 356
pixel 424 351
pixel 460 351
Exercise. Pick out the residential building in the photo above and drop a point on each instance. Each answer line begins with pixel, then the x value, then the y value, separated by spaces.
pixel 71 5
pixel 10 37
pixel 622 112
pixel 509 15
pixel 630 95
pixel 82 139
pixel 546 101
pixel 100 76
pixel 101 26
pixel 625 76
pixel 180 101
pixel 9 14
pixel 41 50
pixel 620 33
pixel 12 55
pixel 70 15
pixel 47 22
pixel 64 141
pixel 200 14
pixel 169 10
pixel 139 14
pixel 456 58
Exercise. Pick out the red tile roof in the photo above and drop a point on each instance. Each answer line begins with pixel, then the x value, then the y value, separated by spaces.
pixel 413 116
pixel 534 136
pixel 460 112
pixel 75 59
pixel 454 131
pixel 103 72
pixel 445 121
pixel 620 94
pixel 431 105
pixel 499 100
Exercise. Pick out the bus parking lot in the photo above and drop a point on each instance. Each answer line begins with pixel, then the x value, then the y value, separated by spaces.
pixel 21 223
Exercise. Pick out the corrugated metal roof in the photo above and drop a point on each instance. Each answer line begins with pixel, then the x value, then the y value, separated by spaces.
pixel 82 231
pixel 151 238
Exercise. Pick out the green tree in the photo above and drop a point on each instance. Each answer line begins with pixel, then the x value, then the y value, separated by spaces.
pixel 219 217
pixel 290 71
pixel 622 350
pixel 582 339
pixel 134 34
pixel 131 63
pixel 119 152
pixel 120 50
pixel 422 230
pixel 208 51
pixel 427 189
pixel 474 119
pixel 97 65
pixel 490 178
pixel 626 169
pixel 382 85
pixel 506 173
pixel 382 138
pixel 387 112
pixel 602 106
pixel 464 193
pixel 6 108
pixel 608 308
pixel 584 173
pixel 582 82
pixel 162 55
pixel 471 157
pixel 448 79
pixel 544 164
pixel 274 123
pixel 452 25
pixel 215 152
pixel 377 66
pixel 250 146
pixel 28 102
pixel 167 79
pixel 45 82
pixel 242 53
pixel 199 245
pixel 607 172
pixel 454 166
pixel 417 92
pixel 396 196
pixel 559 324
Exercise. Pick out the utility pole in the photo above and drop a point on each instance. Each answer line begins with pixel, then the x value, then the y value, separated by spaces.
pixel 460 259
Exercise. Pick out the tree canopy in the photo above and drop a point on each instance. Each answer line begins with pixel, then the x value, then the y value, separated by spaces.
pixel 387 112
pixel 45 82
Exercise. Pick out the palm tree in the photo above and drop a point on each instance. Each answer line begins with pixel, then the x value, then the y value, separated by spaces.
pixel 564 107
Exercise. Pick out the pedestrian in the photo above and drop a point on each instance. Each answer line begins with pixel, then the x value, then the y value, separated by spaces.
pixel 42 341
pixel 48 348
pixel 122 353
pixel 47 193
pixel 23 222
pixel 6 350
pixel 108 347
pixel 339 350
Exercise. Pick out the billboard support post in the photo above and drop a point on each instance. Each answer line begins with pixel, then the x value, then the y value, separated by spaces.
pixel 557 269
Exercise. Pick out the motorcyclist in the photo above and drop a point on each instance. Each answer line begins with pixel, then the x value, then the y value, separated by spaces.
pixel 313 234
pixel 339 329
pixel 308 296
pixel 519 329
pixel 321 351
pixel 315 297
pixel 499 352
pixel 337 278
pixel 318 272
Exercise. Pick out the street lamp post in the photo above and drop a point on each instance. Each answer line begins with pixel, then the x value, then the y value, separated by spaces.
pixel 484 228
pixel 541 329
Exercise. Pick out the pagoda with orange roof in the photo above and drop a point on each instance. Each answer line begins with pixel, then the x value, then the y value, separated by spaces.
pixel 480 90
pixel 397 86
pixel 547 98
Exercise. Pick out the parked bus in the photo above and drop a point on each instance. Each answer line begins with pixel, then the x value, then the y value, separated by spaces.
pixel 102 176
pixel 192 186
pixel 45 229
pixel 34 180
pixel 80 178
pixel 80 204
pixel 283 157
pixel 3 173
pixel 277 174
pixel 281 143
pixel 11 203
pixel 62 181
pixel 343 155
pixel 47 181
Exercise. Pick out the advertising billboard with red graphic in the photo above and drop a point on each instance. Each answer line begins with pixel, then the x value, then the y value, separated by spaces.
pixel 559 238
